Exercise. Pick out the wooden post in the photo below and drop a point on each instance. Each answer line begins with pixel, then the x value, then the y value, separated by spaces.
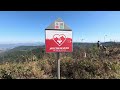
pixel 58 65
pixel 84 54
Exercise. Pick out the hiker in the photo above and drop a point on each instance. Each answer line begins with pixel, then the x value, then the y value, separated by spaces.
pixel 103 49
pixel 99 44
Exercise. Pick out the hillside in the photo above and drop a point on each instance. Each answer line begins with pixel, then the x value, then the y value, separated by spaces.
pixel 70 69
pixel 26 52
pixel 20 48
pixel 37 64
pixel 21 52
pixel 11 46
pixel 92 44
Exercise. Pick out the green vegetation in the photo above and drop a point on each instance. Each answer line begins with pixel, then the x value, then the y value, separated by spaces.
pixel 34 63
pixel 70 69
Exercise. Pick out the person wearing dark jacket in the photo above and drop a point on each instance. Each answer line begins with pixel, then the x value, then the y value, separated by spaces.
pixel 98 44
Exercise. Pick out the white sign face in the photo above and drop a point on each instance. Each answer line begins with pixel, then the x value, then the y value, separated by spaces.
pixel 59 25
pixel 58 41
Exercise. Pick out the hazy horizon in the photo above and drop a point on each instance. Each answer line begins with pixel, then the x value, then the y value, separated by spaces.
pixel 44 42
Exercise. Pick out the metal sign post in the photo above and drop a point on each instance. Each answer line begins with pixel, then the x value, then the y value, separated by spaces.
pixel 58 65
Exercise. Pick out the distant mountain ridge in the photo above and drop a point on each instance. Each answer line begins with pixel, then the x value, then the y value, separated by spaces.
pixel 4 47
pixel 11 46
pixel 24 48
pixel 87 44
pixel 18 52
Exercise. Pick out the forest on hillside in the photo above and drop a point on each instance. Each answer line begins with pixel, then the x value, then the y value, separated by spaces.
pixel 85 62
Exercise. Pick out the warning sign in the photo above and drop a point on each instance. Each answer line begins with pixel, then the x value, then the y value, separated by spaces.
pixel 58 41
pixel 58 37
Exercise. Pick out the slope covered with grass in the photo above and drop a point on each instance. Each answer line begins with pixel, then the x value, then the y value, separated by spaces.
pixel 40 65
pixel 70 69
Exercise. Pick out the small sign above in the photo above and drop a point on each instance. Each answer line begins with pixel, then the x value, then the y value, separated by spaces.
pixel 59 25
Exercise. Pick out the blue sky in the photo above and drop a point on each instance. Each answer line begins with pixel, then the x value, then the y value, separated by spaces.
pixel 29 26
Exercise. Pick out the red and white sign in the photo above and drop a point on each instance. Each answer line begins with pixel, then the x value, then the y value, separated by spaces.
pixel 58 41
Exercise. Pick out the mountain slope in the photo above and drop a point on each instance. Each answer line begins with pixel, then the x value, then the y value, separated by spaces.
pixel 11 46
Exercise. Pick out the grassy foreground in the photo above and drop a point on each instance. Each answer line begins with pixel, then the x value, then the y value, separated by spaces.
pixel 70 69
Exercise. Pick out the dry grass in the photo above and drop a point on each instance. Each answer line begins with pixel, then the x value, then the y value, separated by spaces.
pixel 74 67
pixel 22 71
pixel 70 69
